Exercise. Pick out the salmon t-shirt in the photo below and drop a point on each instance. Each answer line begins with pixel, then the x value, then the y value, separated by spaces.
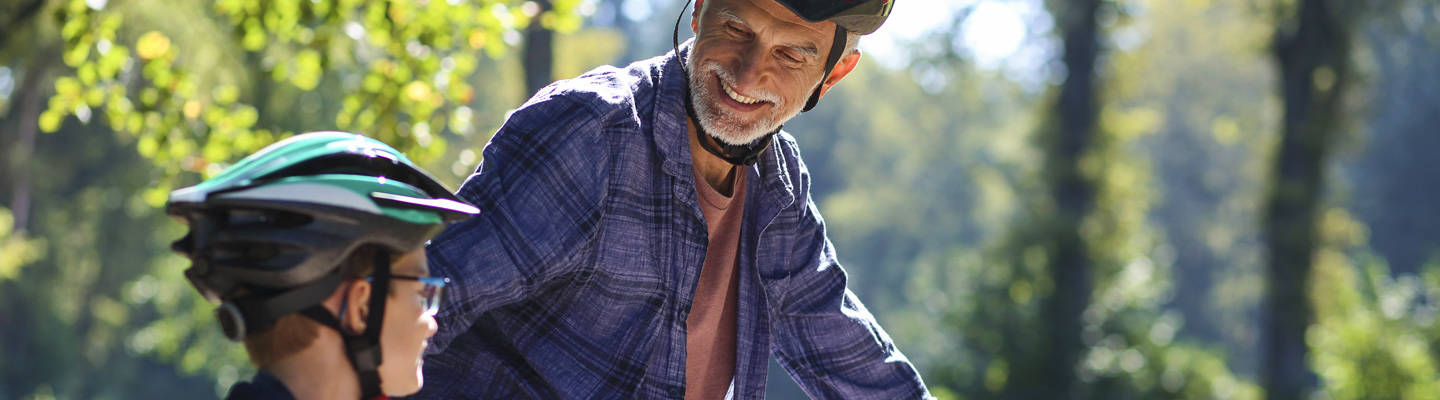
pixel 710 328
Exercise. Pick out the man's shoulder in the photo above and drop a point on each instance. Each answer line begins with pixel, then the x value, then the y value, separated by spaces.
pixel 578 124
pixel 592 117
pixel 606 94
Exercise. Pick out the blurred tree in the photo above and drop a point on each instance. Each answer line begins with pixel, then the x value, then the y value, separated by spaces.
pixel 1005 295
pixel 1069 137
pixel 538 51
pixel 25 128
pixel 15 15
pixel 24 20
pixel 1375 333
pixel 1403 110
pixel 1217 118
pixel 78 320
pixel 876 148
pixel 1312 50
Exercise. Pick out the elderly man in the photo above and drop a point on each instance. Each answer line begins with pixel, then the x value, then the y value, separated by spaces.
pixel 650 232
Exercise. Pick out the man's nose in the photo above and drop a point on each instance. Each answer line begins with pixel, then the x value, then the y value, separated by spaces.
pixel 753 68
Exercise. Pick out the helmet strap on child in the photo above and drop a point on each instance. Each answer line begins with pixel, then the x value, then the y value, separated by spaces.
pixel 363 349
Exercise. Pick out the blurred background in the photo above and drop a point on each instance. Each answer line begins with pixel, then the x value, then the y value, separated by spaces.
pixel 1107 199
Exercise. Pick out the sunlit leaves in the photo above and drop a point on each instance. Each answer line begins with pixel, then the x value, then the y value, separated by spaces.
pixel 306 70
pixel 412 60
pixel 401 71
pixel 152 45
pixel 16 250
pixel 1375 336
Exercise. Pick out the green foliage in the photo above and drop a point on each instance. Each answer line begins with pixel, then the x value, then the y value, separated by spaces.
pixel 401 72
pixel 909 180
pixel 16 250
pixel 1218 127
pixel 1375 335
pixel 995 294
pixel 967 245
pixel 72 313
pixel 160 104
pixel 1132 348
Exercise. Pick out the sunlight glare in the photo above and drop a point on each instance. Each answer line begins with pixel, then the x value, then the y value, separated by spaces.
pixel 993 32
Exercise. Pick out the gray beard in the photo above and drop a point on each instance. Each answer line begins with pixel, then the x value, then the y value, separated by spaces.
pixel 723 126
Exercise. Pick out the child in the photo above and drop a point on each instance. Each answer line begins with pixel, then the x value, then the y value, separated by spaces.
pixel 314 248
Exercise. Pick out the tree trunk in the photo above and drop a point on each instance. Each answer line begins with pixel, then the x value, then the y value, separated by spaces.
pixel 1071 135
pixel 1312 51
pixel 21 15
pixel 539 51
pixel 31 97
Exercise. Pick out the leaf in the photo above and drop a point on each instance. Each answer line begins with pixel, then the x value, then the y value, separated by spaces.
pixel 50 120
pixel 152 45
pixel 307 72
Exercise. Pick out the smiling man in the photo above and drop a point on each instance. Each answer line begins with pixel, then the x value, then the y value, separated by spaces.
pixel 650 232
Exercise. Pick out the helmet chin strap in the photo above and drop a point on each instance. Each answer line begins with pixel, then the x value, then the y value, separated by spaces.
pixel 743 155
pixel 837 48
pixel 363 349
pixel 746 155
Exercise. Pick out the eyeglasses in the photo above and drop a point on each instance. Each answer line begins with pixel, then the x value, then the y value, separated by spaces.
pixel 431 292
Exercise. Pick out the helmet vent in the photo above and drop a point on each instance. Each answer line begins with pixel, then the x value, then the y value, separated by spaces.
pixel 355 164
pixel 243 252
pixel 248 218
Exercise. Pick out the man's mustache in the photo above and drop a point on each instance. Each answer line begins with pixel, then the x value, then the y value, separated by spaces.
pixel 728 79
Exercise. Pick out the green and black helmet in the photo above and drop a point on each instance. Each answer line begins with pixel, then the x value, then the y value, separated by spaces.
pixel 268 234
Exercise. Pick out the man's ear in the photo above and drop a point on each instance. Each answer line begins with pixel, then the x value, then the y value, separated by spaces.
pixel 695 17
pixel 357 306
pixel 842 68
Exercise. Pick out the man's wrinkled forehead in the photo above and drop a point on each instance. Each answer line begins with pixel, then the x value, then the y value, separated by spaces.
pixel 774 15
pixel 728 15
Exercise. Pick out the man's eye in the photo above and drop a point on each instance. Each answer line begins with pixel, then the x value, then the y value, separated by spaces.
pixel 791 58
pixel 735 29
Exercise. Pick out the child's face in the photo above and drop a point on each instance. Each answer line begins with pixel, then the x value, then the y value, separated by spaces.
pixel 407 327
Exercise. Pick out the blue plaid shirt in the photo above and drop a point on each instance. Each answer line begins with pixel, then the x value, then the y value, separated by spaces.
pixel 576 279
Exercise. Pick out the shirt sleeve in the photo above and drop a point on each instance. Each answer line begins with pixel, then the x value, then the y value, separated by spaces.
pixel 539 188
pixel 825 338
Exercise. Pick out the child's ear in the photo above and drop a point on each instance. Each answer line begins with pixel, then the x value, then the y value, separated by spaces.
pixel 357 306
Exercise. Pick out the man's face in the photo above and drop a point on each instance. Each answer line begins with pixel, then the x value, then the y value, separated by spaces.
pixel 753 66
